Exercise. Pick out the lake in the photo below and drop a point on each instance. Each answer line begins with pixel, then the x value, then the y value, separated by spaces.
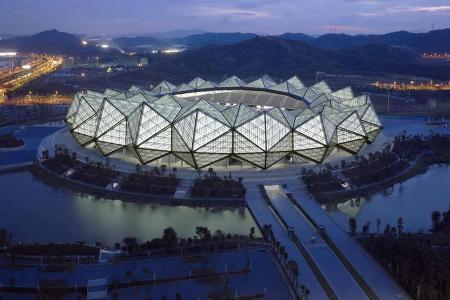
pixel 35 211
pixel 413 200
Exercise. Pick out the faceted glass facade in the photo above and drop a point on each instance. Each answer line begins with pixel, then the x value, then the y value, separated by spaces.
pixel 202 122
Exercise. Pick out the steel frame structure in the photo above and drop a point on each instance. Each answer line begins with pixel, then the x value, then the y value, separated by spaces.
pixel 202 122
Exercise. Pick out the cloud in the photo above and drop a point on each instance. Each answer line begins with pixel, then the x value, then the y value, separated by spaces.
pixel 230 12
pixel 262 16
pixel 406 9
pixel 430 9
pixel 369 14
pixel 345 28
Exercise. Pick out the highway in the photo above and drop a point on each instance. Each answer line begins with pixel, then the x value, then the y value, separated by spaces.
pixel 40 65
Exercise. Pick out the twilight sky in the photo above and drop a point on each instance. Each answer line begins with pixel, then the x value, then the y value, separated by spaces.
pixel 259 16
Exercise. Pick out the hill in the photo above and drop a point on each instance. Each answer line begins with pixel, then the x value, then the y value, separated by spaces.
pixel 210 38
pixel 296 37
pixel 433 41
pixel 52 42
pixel 139 41
pixel 281 59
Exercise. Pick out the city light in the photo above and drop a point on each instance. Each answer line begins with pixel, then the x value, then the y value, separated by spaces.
pixel 8 54
pixel 172 50
pixel 413 86
pixel 104 46
pixel 436 56
pixel 84 42
pixel 38 64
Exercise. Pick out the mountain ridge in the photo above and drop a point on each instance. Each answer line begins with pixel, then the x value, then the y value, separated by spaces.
pixel 281 58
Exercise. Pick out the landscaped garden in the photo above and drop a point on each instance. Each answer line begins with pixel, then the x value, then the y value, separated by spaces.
pixel 51 249
pixel 407 156
pixel 420 262
pixel 150 182
pixel 169 243
pixel 213 186
pixel 378 166
pixel 317 182
pixel 95 173
pixel 61 162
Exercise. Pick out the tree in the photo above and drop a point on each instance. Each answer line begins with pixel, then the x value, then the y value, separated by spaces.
pixel 177 296
pixel 307 292
pixel 387 230
pixel 282 251
pixel 352 225
pixel 277 247
pixel 285 256
pixel 295 272
pixel 169 237
pixel 5 238
pixel 203 233
pixel 218 235
pixel 400 225
pixel 252 232
pixel 435 218
pixel 137 169
pixel 365 228
pixel 131 244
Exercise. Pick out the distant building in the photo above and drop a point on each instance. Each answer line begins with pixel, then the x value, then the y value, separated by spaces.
pixel 143 61
pixel 81 62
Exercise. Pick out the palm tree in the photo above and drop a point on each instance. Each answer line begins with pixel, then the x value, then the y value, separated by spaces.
pixel 282 251
pixel 252 233
pixel 290 269
pixel 285 257
pixel 277 247
pixel 295 272
pixel 307 292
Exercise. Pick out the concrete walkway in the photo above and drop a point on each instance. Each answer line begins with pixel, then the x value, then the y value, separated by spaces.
pixel 336 274
pixel 264 215
pixel 379 280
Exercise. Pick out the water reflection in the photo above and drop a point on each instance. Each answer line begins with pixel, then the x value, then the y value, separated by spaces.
pixel 35 211
pixel 350 208
pixel 414 200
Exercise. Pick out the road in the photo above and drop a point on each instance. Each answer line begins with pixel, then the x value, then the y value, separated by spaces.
pixel 264 215
pixel 39 66
pixel 339 278
pixel 376 277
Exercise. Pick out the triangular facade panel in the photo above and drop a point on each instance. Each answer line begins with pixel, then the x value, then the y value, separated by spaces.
pixel 202 122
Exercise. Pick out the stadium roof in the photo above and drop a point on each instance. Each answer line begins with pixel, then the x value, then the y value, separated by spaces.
pixel 202 122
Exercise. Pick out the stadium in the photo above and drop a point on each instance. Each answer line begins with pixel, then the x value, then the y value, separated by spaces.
pixel 202 123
